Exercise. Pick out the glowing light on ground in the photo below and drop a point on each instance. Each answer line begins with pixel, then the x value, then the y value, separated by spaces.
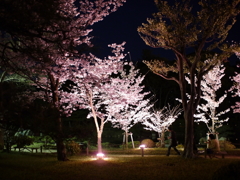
pixel 142 146
pixel 104 158
pixel 101 159
pixel 100 155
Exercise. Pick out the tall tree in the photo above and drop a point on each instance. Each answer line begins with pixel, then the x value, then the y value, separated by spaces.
pixel 207 111
pixel 136 101
pixel 40 44
pixel 194 32
pixel 109 92
pixel 49 80
pixel 93 90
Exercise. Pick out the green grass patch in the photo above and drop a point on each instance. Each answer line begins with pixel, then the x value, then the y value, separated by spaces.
pixel 25 166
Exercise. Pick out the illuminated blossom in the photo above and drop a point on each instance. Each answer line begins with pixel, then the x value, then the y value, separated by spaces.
pixel 235 89
pixel 110 89
pixel 160 120
pixel 50 59
pixel 207 112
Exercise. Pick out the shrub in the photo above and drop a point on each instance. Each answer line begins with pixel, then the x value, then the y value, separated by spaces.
pixel 136 144
pixel 72 147
pixel 22 140
pixel 180 146
pixel 35 138
pixel 48 140
pixel 45 140
pixel 167 141
pixel 148 143
pixel 106 145
pixel 83 145
pixel 226 145
pixel 202 141
pixel 158 144
pixel 111 145
pixel 90 145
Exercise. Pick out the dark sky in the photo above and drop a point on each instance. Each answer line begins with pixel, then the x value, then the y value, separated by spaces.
pixel 122 26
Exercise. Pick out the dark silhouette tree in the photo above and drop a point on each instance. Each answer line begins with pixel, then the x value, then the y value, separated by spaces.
pixel 194 32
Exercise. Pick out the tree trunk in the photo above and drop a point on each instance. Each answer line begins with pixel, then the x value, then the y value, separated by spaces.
pixel 99 133
pixel 1 138
pixel 189 135
pixel 126 141
pixel 3 75
pixel 99 141
pixel 162 139
pixel 8 143
pixel 61 149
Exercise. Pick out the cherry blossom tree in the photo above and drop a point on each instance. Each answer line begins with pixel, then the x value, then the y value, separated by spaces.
pixel 43 29
pixel 49 80
pixel 44 49
pixel 161 119
pixel 108 89
pixel 235 89
pixel 136 103
pixel 236 107
pixel 92 88
pixel 207 112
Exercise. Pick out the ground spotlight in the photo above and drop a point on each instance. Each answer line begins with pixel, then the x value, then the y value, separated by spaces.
pixel 100 155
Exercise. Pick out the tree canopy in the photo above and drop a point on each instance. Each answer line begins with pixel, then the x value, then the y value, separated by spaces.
pixel 194 32
pixel 38 38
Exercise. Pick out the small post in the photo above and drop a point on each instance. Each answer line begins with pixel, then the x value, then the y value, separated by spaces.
pixel 142 149
pixel 40 149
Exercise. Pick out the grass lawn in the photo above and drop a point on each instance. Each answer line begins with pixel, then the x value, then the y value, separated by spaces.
pixel 32 166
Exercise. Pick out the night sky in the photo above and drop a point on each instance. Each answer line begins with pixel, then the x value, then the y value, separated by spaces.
pixel 122 26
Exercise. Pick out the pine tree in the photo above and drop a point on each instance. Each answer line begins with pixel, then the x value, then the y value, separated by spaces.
pixel 193 32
